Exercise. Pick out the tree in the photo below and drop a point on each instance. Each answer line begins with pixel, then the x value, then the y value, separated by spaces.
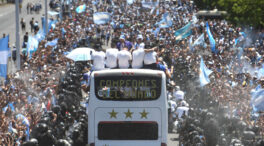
pixel 240 12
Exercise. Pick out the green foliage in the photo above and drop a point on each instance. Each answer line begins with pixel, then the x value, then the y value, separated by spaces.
pixel 240 12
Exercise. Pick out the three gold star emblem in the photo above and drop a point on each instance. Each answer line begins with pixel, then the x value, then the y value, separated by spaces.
pixel 128 114
pixel 113 114
pixel 144 114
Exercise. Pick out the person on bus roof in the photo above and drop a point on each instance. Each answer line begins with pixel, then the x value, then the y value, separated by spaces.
pixel 124 57
pixel 111 58
pixel 123 43
pixel 98 59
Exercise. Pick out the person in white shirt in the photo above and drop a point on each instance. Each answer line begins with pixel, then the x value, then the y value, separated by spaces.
pixel 98 58
pixel 182 109
pixel 111 58
pixel 138 57
pixel 150 59
pixel 178 94
pixel 139 44
pixel 124 57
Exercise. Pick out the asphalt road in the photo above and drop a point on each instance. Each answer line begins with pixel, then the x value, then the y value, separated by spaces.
pixel 173 139
pixel 8 24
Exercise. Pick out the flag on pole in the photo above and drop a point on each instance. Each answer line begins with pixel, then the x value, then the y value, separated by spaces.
pixel 211 38
pixel 101 17
pixel 204 73
pixel 184 32
pixel 80 9
pixel 4 52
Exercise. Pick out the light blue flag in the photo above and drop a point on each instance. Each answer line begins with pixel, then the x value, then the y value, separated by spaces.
pixel 166 21
pixel 156 31
pixel 211 39
pixel 184 32
pixel 24 122
pixel 191 43
pixel 149 5
pixel 101 17
pixel 52 43
pixel 157 11
pixel 32 45
pixel 204 73
pixel 80 8
pixel 11 105
pixel 4 52
pixel 257 100
pixel 130 2
pixel 52 13
pixel 52 24
pixel 260 72
pixel 40 35
pixel 199 42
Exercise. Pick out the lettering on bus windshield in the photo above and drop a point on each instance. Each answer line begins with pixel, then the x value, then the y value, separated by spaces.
pixel 128 87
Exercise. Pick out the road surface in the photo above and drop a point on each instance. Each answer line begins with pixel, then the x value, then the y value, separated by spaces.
pixel 8 24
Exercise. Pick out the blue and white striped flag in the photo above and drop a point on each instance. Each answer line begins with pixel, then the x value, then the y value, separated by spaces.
pixel 24 122
pixel 204 73
pixel 166 21
pixel 199 41
pixel 149 5
pixel 52 13
pixel 52 43
pixel 101 17
pixel 4 51
pixel 211 39
pixel 184 32
pixel 80 9
pixel 32 45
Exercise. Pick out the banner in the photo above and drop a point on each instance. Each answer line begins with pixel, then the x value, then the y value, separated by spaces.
pixel 184 31
pixel 101 18
pixel 4 51
pixel 211 39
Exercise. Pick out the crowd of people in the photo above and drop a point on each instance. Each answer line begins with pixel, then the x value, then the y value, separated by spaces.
pixel 44 90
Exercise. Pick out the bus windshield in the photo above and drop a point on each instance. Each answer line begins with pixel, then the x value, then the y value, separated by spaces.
pixel 124 88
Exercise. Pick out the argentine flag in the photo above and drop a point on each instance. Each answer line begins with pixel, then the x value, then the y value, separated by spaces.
pixel 183 32
pixel 204 73
pixel 80 9
pixel 101 18
pixel 4 51
pixel 32 45
pixel 211 39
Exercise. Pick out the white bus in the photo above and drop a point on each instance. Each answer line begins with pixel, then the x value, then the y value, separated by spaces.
pixel 128 107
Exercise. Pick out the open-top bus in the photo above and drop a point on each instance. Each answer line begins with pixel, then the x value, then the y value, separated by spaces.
pixel 128 107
